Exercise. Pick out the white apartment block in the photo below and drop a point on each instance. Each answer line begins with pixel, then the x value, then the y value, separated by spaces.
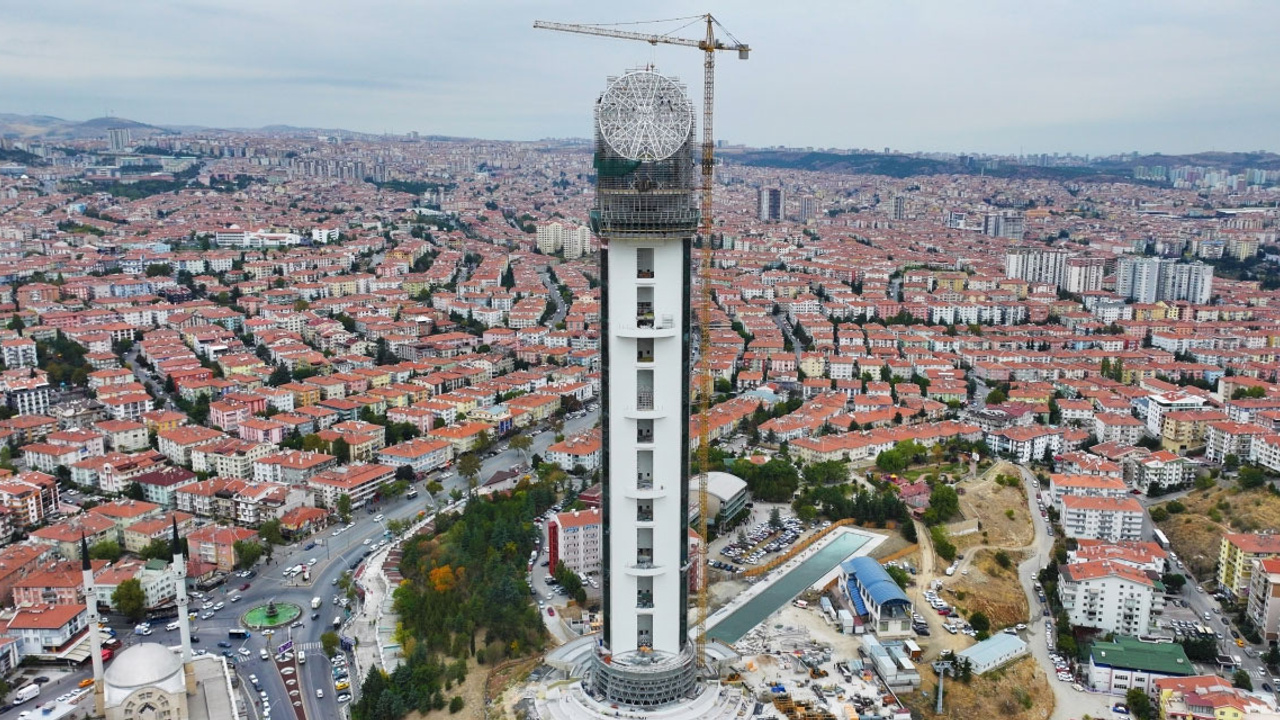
pixel 1061 486
pixel 1264 598
pixel 1110 597
pixel 19 352
pixel 1158 405
pixel 1102 518
pixel 577 540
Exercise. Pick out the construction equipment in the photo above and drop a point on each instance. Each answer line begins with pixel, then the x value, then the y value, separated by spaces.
pixel 708 44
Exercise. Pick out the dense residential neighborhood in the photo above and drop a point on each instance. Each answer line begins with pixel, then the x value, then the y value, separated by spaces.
pixel 255 338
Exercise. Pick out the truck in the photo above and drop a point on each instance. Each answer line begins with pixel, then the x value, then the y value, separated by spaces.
pixel 25 693
pixel 337 623
pixel 315 603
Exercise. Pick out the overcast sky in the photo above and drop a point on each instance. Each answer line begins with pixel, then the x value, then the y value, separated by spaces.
pixel 1084 76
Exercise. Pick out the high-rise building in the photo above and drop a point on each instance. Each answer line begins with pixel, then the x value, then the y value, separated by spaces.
pixel 1011 224
pixel 577 242
pixel 808 208
pixel 772 202
pixel 1147 280
pixel 1036 265
pixel 1084 274
pixel 646 214
pixel 118 139
pixel 900 207
pixel 550 238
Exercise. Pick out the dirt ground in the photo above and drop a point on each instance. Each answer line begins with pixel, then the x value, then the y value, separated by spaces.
pixel 990 589
pixel 1019 692
pixel 472 692
pixel 991 505
pixel 1197 533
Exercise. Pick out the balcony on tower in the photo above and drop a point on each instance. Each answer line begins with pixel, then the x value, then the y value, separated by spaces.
pixel 644 307
pixel 644 263
pixel 644 431
pixel 644 512
pixel 644 351
pixel 644 390
pixel 644 593
pixel 644 469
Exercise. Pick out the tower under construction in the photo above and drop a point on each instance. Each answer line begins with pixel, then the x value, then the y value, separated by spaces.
pixel 646 215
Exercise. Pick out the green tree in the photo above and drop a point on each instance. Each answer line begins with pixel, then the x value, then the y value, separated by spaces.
pixel 830 472
pixel 159 549
pixel 900 576
pixel 105 550
pixel 1173 582
pixel 455 705
pixel 1003 559
pixel 775 518
pixel 1159 514
pixel 997 397
pixel 134 491
pixel 280 376
pixel 344 507
pixel 271 532
pixel 521 443
pixel 329 643
pixel 469 468
pixel 1241 679
pixel 129 600
pixel 342 450
pixel 406 473
pixel 1251 476
pixel 944 503
pixel 247 553
pixel 980 622
pixel 1139 704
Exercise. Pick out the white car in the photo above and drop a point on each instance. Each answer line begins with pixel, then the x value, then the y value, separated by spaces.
pixel 378 517
pixel 368 541
pixel 312 561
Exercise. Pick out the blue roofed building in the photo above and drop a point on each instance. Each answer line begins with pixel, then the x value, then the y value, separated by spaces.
pixel 876 597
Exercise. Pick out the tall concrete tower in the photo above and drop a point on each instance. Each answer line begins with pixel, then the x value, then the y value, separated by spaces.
pixel 645 214
pixel 179 569
pixel 95 635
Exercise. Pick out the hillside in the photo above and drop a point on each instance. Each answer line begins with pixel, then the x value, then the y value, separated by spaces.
pixel 901 166
pixel 1195 529
pixel 46 127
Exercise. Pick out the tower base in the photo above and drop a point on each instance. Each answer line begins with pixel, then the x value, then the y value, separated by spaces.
pixel 645 679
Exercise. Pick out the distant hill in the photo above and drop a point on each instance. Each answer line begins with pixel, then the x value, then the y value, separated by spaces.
pixel 901 166
pixel 46 127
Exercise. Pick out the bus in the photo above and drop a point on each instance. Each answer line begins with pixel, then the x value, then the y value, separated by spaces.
pixel 1161 540
pixel 238 633
pixel 412 493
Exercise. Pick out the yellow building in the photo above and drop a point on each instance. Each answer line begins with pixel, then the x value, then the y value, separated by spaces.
pixel 1236 555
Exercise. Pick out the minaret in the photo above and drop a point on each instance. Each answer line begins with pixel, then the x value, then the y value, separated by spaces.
pixel 95 635
pixel 179 568
pixel 646 214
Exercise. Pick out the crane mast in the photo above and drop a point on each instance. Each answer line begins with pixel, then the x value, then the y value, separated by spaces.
pixel 708 44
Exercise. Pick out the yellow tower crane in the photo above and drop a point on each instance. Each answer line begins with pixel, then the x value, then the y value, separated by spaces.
pixel 708 44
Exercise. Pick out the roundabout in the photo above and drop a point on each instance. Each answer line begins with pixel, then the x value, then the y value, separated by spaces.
pixel 270 615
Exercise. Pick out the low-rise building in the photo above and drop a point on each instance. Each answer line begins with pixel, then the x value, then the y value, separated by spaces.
pixel 876 597
pixel 1102 518
pixel 1127 663
pixel 358 482
pixel 578 451
pixel 1264 598
pixel 421 454
pixel 1236 555
pixel 576 539
pixel 215 544
pixel 1210 696
pixel 47 631
pixel 993 653
pixel 1109 596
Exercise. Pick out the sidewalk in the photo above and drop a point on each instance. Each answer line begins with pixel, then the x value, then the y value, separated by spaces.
pixel 373 627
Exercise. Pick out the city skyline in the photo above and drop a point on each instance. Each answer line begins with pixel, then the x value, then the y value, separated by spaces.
pixel 992 78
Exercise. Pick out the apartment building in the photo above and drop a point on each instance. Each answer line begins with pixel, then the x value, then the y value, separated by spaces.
pixel 358 482
pixel 1264 598
pixel 1237 553
pixel 582 450
pixel 422 454
pixel 577 539
pixel 1109 596
pixel 1225 438
pixel 1102 518
pixel 1085 486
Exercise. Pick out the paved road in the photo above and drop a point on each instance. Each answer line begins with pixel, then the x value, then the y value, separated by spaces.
pixel 1069 703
